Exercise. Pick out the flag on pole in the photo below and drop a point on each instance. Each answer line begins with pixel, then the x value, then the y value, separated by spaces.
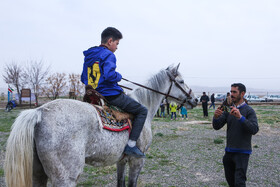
pixel 10 89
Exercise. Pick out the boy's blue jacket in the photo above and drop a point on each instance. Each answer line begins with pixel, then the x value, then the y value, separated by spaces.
pixel 99 71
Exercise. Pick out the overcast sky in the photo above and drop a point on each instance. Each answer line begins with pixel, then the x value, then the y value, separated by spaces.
pixel 217 42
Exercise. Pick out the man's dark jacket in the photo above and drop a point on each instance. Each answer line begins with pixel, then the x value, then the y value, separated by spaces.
pixel 204 99
pixel 212 98
pixel 239 131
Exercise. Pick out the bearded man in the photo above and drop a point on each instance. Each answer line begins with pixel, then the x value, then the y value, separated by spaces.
pixel 241 123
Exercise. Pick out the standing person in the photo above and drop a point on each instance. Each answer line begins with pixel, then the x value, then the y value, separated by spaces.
pixel 228 100
pixel 100 72
pixel 173 108
pixel 162 110
pixel 241 123
pixel 204 99
pixel 157 113
pixel 212 98
pixel 168 108
pixel 184 112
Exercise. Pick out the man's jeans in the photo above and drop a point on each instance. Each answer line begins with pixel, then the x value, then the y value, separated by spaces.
pixel 235 165
pixel 129 105
pixel 212 104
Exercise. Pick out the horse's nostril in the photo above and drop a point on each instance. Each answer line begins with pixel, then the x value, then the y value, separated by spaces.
pixel 196 100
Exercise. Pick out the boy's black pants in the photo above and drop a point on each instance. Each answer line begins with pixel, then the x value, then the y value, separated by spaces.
pixel 235 165
pixel 129 105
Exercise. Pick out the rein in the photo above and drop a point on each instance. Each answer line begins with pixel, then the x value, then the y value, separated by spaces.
pixel 172 78
pixel 166 95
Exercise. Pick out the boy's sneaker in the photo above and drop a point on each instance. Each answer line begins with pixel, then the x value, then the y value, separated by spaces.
pixel 133 151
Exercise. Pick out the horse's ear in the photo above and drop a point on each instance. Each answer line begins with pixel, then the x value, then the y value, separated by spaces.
pixel 173 70
pixel 177 68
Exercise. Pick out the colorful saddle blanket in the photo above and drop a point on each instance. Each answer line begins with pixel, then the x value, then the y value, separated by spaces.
pixel 109 122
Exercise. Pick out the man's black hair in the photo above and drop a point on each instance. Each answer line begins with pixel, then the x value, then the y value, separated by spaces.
pixel 110 32
pixel 241 87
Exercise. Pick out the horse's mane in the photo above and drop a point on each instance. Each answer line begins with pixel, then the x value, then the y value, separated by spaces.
pixel 156 82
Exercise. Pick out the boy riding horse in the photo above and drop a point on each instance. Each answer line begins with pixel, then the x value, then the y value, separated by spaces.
pixel 100 72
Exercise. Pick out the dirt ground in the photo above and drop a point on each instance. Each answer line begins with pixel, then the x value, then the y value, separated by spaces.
pixel 188 153
pixel 184 154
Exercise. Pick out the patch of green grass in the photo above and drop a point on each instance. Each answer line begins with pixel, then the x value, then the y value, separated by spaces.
pixel 169 151
pixel 156 154
pixel 218 141
pixel 93 173
pixel 100 170
pixel 1 172
pixel 93 182
pixel 153 184
pixel 7 119
pixel 223 184
pixel 268 115
pixel 3 142
pixel 164 162
pixel 154 167
pixel 167 137
pixel 159 134
pixel 86 183
pixel 256 146
pixel 157 119
pixel 171 137
pixel 148 156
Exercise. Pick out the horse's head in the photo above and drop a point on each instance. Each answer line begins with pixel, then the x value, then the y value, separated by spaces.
pixel 179 91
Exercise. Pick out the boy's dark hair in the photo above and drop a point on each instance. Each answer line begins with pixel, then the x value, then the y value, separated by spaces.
pixel 241 87
pixel 110 32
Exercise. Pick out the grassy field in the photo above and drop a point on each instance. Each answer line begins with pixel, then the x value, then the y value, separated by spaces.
pixel 168 165
pixel 267 114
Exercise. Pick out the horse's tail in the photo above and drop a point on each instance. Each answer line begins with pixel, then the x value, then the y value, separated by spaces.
pixel 19 151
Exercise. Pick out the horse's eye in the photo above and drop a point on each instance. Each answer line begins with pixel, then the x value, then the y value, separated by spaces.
pixel 181 81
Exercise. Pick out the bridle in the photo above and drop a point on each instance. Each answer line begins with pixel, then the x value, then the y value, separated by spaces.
pixel 173 80
pixel 187 94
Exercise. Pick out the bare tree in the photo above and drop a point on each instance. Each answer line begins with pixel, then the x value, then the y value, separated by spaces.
pixel 55 85
pixel 35 74
pixel 12 76
pixel 76 85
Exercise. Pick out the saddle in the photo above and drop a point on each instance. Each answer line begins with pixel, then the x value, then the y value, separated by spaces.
pixel 112 117
pixel 93 97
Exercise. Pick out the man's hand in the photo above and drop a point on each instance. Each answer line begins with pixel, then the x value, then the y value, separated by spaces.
pixel 235 112
pixel 218 113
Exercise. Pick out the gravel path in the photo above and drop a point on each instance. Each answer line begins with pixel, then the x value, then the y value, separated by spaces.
pixel 193 159
pixel 184 154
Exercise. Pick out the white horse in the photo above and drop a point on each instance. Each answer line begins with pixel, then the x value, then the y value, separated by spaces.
pixel 55 140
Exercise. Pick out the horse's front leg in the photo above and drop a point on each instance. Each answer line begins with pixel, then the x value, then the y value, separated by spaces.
pixel 135 166
pixel 121 172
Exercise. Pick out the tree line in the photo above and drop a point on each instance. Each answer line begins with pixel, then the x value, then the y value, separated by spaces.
pixel 38 77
